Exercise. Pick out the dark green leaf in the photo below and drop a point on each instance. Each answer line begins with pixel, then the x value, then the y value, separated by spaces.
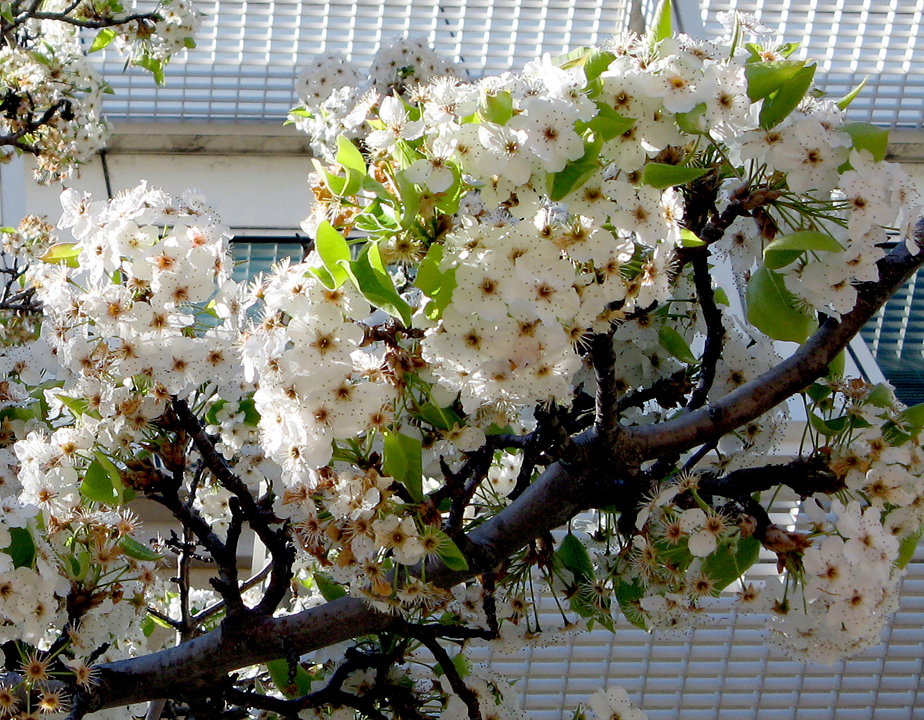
pixel 378 290
pixel 573 555
pixel 136 550
pixel 772 308
pixel 607 123
pixel 730 561
pixel 22 547
pixel 673 342
pixel 97 484
pixel 575 173
pixel 279 673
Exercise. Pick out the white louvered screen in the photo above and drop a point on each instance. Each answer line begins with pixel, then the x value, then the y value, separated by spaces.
pixel 250 51
pixel 880 38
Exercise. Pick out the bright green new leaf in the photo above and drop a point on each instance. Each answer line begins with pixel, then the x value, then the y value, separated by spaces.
pixel 403 461
pixel 496 107
pixel 673 342
pixel 329 590
pixel 573 58
pixel 148 626
pixel 378 291
pixel 721 297
pixel 688 238
pixel 136 550
pixel 772 308
pixel 332 248
pixel 103 38
pixel 838 365
pixel 868 137
pixel 662 175
pixel 155 66
pixel 767 77
pixel 349 156
pixel 434 309
pixel 450 554
pixel 660 28
pixel 429 278
pixel 907 547
pixel 783 101
pixel 460 663
pixel 334 183
pixel 66 253
pixel 845 101
pixel 596 63
pixel 787 248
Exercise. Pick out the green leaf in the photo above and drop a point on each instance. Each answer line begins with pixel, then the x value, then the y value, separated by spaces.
pixel 660 28
pixel 575 173
pixel 907 547
pixel 673 342
pixel 573 555
pixel 332 248
pixel 97 484
pixel 410 199
pixel 450 554
pixel 22 547
pixel 66 253
pixel 787 248
pixel 573 58
pixel 77 406
pixel 692 122
pixel 379 290
pixel 818 392
pixel 189 43
pixel 607 123
pixel 442 418
pixel 349 156
pixel 459 662
pixel 765 78
pixel 301 111
pixel 434 309
pixel 730 561
pixel 688 238
pixel 868 137
pixel 845 101
pixel 335 183
pixel 628 595
pixel 496 107
pixel 881 396
pixel 403 462
pixel 429 278
pixel 596 63
pixel 136 550
pixel 662 175
pixel 721 297
pixel 828 428
pixel 155 66
pixel 279 673
pixel 102 39
pixel 772 308
pixel 328 588
pixel 148 626
pixel 838 365
pixel 783 101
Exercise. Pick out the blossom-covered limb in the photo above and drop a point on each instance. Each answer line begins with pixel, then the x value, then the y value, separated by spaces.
pixel 806 364
pixel 429 641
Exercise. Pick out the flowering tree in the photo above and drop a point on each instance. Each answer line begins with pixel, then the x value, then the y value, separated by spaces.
pixel 50 96
pixel 515 318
